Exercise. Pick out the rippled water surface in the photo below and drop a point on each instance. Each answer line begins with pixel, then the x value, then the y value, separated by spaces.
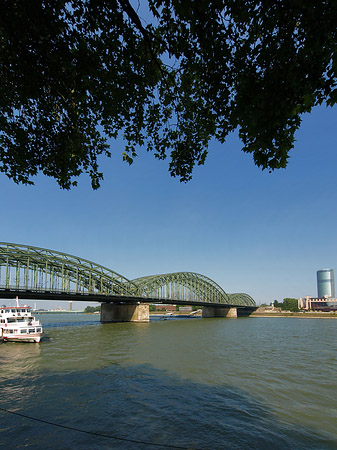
pixel 247 383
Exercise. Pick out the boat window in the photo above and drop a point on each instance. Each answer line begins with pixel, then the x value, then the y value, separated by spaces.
pixel 2 321
pixel 13 310
pixel 31 330
pixel 10 320
pixel 10 331
pixel 23 331
pixel 38 330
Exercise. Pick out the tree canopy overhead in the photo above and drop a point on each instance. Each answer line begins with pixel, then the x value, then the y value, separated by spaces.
pixel 169 77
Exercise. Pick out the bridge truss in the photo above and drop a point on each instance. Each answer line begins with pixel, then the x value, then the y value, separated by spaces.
pixel 39 271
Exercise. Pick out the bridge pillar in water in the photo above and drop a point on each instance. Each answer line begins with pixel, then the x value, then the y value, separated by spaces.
pixel 213 311
pixel 125 312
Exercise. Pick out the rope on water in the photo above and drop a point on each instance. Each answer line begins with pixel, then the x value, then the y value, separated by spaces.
pixel 109 436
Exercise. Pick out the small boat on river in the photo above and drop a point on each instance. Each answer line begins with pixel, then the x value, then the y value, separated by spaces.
pixel 17 324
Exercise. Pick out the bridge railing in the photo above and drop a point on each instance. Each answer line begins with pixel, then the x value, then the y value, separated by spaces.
pixel 26 268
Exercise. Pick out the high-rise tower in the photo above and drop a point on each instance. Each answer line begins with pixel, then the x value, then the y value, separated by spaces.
pixel 325 283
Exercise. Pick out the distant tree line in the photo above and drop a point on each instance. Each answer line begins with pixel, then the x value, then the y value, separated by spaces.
pixel 92 309
pixel 289 304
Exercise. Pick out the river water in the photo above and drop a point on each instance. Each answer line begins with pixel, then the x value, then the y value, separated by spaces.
pixel 246 383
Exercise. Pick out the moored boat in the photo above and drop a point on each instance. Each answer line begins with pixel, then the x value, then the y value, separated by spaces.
pixel 18 324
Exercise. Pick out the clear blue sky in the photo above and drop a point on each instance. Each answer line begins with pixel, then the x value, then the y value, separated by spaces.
pixel 250 231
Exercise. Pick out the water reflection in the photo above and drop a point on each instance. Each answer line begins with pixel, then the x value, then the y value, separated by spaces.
pixel 203 378
pixel 18 359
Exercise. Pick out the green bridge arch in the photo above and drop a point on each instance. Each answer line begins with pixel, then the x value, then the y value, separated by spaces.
pixel 38 270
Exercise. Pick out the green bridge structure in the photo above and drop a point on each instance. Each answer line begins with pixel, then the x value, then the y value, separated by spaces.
pixel 42 274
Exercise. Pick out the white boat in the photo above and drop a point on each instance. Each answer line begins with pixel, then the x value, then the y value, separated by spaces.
pixel 17 324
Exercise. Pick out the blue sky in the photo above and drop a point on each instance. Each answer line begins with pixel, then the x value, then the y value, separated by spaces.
pixel 250 231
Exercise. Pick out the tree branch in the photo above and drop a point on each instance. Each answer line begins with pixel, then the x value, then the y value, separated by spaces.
pixel 133 16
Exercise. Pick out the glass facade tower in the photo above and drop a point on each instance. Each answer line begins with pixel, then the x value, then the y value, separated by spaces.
pixel 325 283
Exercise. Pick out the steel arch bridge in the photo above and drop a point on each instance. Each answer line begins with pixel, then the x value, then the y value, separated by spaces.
pixel 34 272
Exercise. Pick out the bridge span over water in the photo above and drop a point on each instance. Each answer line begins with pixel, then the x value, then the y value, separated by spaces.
pixel 39 273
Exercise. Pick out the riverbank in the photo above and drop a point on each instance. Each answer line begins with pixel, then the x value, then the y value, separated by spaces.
pixel 301 315
pixel 161 314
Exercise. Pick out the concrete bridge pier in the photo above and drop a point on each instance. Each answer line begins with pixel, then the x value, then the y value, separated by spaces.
pixel 125 312
pixel 213 311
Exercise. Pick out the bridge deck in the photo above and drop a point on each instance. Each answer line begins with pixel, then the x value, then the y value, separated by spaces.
pixel 99 298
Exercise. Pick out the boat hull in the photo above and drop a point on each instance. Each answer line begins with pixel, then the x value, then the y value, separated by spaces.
pixel 28 338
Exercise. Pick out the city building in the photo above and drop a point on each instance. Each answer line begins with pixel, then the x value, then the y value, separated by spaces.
pixel 162 307
pixel 325 283
pixel 318 304
pixel 325 300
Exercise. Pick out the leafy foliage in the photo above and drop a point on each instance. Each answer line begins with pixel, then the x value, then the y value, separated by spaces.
pixel 92 309
pixel 288 304
pixel 76 73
